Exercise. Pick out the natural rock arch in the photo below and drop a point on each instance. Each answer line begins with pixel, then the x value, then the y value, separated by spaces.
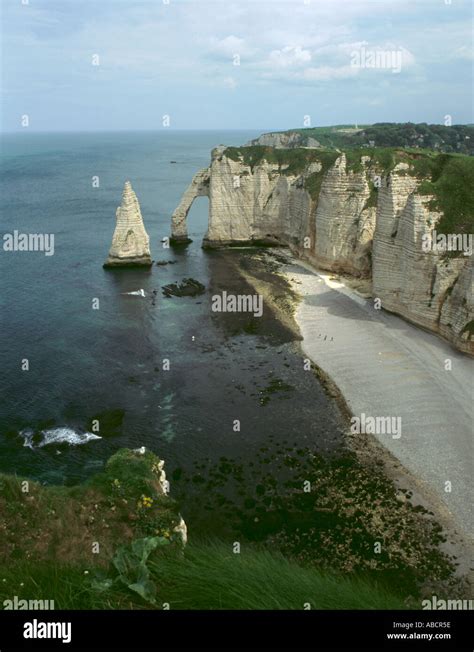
pixel 199 187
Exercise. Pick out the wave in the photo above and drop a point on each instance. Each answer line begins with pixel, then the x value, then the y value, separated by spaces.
pixel 61 435
pixel 139 293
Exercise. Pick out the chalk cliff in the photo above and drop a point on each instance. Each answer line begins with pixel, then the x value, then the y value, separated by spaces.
pixel 280 139
pixel 362 213
pixel 130 242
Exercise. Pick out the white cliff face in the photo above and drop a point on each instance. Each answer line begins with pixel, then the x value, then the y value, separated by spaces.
pixel 416 284
pixel 457 309
pixel 334 230
pixel 333 216
pixel 256 197
pixel 344 225
pixel 130 242
pixel 282 140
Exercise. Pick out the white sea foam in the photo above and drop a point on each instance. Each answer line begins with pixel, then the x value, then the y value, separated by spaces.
pixel 61 435
pixel 27 435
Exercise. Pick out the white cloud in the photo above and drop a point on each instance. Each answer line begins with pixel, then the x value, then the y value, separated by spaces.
pixel 464 52
pixel 228 46
pixel 166 52
pixel 329 73
pixel 289 56
pixel 229 82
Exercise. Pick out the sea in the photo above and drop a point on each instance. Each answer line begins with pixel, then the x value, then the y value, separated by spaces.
pixel 165 373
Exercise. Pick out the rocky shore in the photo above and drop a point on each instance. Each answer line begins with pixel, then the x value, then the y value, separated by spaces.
pixel 375 363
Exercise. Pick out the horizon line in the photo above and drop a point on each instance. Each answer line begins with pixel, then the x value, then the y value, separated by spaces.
pixel 356 125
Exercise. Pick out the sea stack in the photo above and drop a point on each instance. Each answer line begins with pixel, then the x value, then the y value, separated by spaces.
pixel 130 242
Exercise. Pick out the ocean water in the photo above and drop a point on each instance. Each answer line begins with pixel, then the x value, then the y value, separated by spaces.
pixel 107 363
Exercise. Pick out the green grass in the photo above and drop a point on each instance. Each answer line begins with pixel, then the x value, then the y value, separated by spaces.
pixel 313 181
pixel 59 523
pixel 451 182
pixel 205 576
pixel 294 160
pixel 453 139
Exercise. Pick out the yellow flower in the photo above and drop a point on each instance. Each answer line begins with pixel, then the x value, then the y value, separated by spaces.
pixel 145 501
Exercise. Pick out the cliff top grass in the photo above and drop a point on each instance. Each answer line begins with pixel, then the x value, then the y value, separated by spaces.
pixel 62 523
pixel 450 180
pixel 292 161
pixel 207 575
pixel 453 139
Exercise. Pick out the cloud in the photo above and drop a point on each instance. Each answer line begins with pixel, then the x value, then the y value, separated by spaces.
pixel 182 54
pixel 329 73
pixel 229 82
pixel 228 46
pixel 289 56
pixel 332 62
pixel 464 52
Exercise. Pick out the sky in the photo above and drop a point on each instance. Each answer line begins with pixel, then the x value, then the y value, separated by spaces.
pixel 87 65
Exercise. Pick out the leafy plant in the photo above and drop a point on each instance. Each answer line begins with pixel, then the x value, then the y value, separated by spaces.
pixel 130 562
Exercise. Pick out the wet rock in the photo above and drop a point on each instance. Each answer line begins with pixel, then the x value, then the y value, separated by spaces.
pixel 188 287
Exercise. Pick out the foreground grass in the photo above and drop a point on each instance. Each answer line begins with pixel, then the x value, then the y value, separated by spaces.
pixel 204 576
pixel 116 541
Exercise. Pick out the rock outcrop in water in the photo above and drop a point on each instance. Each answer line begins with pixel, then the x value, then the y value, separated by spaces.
pixel 188 287
pixel 361 213
pixel 130 242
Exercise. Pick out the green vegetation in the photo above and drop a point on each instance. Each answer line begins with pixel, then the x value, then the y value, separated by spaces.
pixel 205 576
pixel 334 526
pixel 62 523
pixel 313 182
pixel 451 184
pixel 373 197
pixel 455 139
pixel 296 546
pixel 295 161
pixel 469 328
